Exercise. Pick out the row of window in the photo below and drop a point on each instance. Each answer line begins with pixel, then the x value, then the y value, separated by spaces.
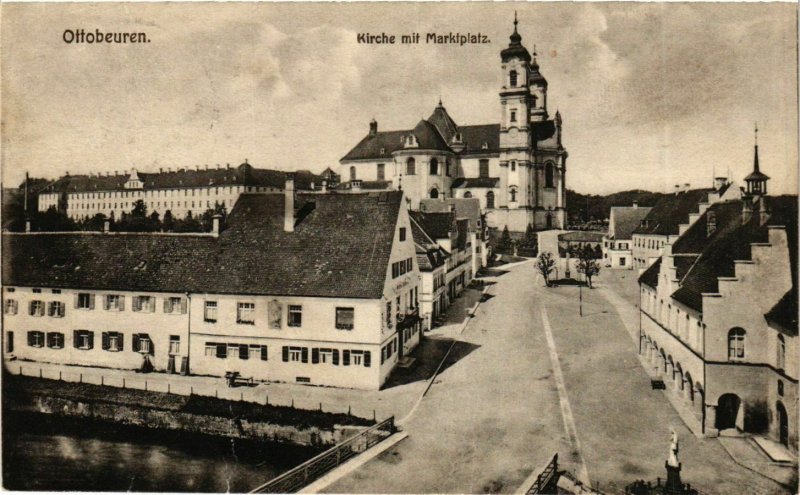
pixel 349 357
pixel 157 193
pixel 236 351
pixel 246 315
pixel 149 204
pixel 86 301
pixel 649 243
pixel 110 341
pixel 402 267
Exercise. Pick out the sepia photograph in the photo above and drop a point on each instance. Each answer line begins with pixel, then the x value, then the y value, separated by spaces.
pixel 399 247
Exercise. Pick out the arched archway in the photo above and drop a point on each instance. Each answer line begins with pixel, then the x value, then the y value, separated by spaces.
pixel 490 199
pixel 678 377
pixel 727 409
pixel 467 194
pixel 689 387
pixel 411 166
pixel 669 369
pixel 663 362
pixel 434 166
pixel 434 193
pixel 783 424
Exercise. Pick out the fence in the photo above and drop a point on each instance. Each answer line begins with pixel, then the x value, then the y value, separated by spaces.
pixel 547 479
pixel 293 480
pixel 180 385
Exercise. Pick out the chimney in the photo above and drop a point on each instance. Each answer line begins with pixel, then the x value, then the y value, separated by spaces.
pixel 288 203
pixel 747 208
pixel 324 188
pixel 763 211
pixel 215 224
pixel 373 127
pixel 355 185
pixel 106 225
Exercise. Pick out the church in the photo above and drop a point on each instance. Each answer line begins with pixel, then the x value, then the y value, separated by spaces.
pixel 516 168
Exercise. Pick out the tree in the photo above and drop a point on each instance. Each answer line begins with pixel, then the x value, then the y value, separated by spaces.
pixel 207 218
pixel 505 240
pixel 587 264
pixel 94 223
pixel 530 237
pixel 169 222
pixel 188 224
pixel 546 264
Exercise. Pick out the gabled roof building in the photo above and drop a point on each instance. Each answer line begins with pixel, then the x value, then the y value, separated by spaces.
pixel 719 317
pixel 515 168
pixel 299 287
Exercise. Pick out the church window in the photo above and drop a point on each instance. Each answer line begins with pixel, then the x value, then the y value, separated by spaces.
pixel 434 193
pixel 411 166
pixel 490 199
pixel 513 116
pixel 352 173
pixel 513 193
pixel 381 171
pixel 512 76
pixel 736 344
pixel 513 165
pixel 434 166
pixel 548 175
pixel 467 194
pixel 483 167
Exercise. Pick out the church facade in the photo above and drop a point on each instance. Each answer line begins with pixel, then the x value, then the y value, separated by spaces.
pixel 516 168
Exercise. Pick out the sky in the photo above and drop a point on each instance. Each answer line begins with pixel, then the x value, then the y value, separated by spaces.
pixel 651 94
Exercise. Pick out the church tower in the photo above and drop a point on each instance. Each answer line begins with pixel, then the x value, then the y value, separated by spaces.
pixel 515 134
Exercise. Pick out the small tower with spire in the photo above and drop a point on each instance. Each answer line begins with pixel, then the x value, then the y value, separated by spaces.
pixel 756 180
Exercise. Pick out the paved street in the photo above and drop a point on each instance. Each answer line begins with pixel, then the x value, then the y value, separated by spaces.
pixel 494 416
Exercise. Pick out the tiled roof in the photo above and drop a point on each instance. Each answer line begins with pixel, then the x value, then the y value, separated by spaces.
pixel 477 182
pixel 650 276
pixel 443 122
pixel 150 262
pixel 429 254
pixel 469 208
pixel 624 219
pixel 462 225
pixel 672 210
pixel 480 139
pixel 784 313
pixel 435 225
pixel 581 236
pixel 340 248
pixel 244 174
pixel 728 242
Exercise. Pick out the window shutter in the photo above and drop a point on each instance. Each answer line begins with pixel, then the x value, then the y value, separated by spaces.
pixel 77 300
pixel 16 307
pixel 136 342
pixel 62 308
pixel 285 354
pixel 30 338
pixel 75 338
pixel 121 340
pixel 367 359
pixel 222 350
pixel 106 345
pixel 166 305
pixel 91 301
pixel 91 339
pixel 183 306
pixel 30 308
pixel 244 351
pixel 122 303
pixel 304 355
pixel 263 353
pixel 336 357
pixel 314 355
pixel 106 302
pixel 346 358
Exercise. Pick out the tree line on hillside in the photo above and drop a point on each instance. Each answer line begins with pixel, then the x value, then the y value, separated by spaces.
pixel 593 209
pixel 137 220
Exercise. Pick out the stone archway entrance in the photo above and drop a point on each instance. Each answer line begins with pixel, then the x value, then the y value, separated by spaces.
pixel 783 424
pixel 727 409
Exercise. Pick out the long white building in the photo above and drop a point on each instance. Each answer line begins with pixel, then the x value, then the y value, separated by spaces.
pixel 308 288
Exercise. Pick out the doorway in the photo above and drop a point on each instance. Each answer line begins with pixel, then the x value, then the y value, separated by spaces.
pixel 727 410
pixel 783 424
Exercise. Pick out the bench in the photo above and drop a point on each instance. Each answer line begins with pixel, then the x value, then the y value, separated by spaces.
pixel 234 378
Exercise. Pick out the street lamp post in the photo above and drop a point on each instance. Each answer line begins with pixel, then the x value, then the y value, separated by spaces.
pixel 580 299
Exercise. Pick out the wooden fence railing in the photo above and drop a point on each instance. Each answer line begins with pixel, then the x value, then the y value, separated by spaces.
pixel 296 478
pixel 547 479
